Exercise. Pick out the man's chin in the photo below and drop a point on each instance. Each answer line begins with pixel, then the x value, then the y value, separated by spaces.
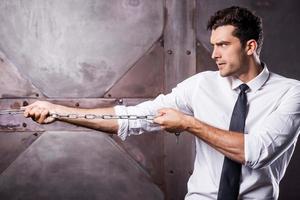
pixel 223 73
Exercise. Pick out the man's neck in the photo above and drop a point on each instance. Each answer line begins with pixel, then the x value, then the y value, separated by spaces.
pixel 254 69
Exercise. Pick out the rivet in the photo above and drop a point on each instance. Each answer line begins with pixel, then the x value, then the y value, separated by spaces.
pixel 77 104
pixel 25 103
pixel 170 51
pixel 24 125
pixel 120 101
pixel 188 52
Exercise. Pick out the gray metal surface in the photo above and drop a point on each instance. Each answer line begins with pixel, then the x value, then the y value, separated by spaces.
pixel 148 151
pixel 112 49
pixel 144 79
pixel 65 47
pixel 180 63
pixel 76 165
pixel 12 84
pixel 12 144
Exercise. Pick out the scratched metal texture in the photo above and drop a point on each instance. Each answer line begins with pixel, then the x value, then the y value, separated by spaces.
pixel 70 165
pixel 63 47
pixel 73 52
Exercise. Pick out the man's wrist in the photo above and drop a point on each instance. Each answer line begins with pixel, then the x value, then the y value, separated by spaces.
pixel 187 122
pixel 60 109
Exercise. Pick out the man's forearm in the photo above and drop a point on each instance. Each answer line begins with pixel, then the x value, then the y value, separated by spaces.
pixel 41 111
pixel 106 125
pixel 229 143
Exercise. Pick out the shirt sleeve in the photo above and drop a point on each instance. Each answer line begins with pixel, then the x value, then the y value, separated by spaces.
pixel 179 98
pixel 279 132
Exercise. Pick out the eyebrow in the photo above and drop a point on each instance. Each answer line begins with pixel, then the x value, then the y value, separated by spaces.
pixel 220 43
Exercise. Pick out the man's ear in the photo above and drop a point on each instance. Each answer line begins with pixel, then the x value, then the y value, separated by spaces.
pixel 251 47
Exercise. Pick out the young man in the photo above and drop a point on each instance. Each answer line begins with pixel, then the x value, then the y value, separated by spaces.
pixel 246 119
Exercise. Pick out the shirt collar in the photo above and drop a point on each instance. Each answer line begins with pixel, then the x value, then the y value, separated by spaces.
pixel 256 83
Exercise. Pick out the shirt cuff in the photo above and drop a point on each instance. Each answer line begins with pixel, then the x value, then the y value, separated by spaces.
pixel 123 124
pixel 134 127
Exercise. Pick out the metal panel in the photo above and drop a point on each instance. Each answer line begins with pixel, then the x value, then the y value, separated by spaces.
pixel 180 63
pixel 144 79
pixel 203 60
pixel 13 144
pixel 81 49
pixel 76 165
pixel 148 151
pixel 94 48
pixel 77 44
pixel 12 84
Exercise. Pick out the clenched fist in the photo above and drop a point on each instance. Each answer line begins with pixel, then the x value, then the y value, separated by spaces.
pixel 40 111
pixel 171 120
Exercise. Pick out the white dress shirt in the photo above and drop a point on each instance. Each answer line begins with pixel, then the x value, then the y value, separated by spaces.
pixel 271 128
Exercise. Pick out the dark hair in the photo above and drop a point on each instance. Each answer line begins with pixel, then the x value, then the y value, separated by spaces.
pixel 247 25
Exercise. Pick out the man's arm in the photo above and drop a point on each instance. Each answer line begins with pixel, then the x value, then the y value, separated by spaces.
pixel 40 112
pixel 229 143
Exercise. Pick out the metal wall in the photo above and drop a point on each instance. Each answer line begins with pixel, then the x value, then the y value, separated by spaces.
pixel 93 53
pixel 82 54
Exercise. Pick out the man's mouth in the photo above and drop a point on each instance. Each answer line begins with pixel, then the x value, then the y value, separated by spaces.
pixel 220 64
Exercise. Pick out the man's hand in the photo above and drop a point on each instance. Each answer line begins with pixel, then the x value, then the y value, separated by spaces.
pixel 171 120
pixel 40 111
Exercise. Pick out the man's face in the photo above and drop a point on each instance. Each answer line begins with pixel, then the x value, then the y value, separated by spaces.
pixel 228 52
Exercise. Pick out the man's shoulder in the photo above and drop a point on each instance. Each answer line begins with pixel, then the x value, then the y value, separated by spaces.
pixel 281 84
pixel 200 79
pixel 204 76
pixel 282 80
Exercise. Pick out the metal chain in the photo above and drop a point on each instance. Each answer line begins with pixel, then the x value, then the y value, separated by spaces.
pixel 83 116
pixel 11 112
pixel 94 116
pixel 88 116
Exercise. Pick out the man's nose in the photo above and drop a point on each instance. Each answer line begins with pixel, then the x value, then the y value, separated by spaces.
pixel 215 54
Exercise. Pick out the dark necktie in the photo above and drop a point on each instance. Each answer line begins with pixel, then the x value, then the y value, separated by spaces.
pixel 231 171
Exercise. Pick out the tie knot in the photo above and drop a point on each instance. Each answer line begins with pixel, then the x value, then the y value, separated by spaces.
pixel 243 87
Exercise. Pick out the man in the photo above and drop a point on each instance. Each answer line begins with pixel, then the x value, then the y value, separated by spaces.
pixel 246 119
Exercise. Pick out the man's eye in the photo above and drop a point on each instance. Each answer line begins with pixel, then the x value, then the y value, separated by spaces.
pixel 224 45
